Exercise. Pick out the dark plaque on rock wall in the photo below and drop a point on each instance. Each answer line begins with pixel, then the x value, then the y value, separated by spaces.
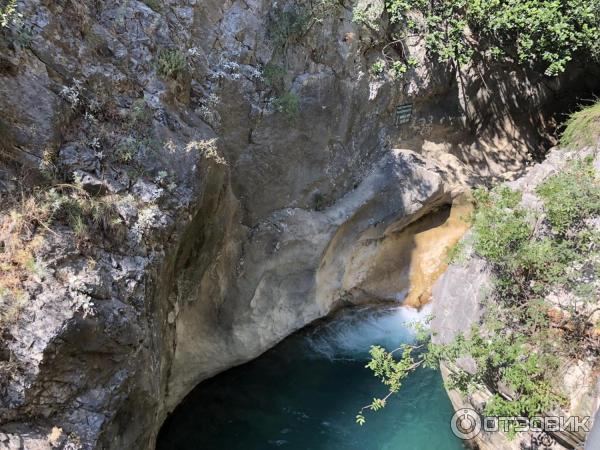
pixel 404 114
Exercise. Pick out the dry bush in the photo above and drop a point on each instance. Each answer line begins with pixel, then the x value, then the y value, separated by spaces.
pixel 20 239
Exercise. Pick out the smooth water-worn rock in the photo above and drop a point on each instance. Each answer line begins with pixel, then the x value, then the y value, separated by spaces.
pixel 305 393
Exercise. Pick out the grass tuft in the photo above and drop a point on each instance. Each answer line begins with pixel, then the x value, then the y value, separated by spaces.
pixel 583 128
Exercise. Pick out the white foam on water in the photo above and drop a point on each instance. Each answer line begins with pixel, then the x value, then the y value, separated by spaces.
pixel 351 334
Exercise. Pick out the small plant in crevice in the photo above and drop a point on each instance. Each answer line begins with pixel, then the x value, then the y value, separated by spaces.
pixel 273 76
pixel 288 105
pixel 165 180
pixel 286 26
pixel 170 63
pixel 126 150
pixel 73 94
pixel 140 115
pixel 411 61
pixel 396 68
pixel 208 111
pixel 378 67
pixel 8 13
pixel 399 69
pixel 207 149
pixel 319 201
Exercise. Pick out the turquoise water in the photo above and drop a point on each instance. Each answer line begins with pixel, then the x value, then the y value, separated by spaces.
pixel 304 395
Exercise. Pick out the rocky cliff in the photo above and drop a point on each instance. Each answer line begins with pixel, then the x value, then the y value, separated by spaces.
pixel 186 183
pixel 463 298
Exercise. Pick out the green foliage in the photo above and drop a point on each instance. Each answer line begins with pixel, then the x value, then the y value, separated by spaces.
pixel 544 33
pixel 171 63
pixel 399 68
pixel 518 348
pixel 360 16
pixel 12 24
pixel 456 253
pixel 582 128
pixel 286 26
pixel 498 232
pixel 273 75
pixel 140 114
pixel 378 67
pixel 319 201
pixel 365 14
pixel 571 196
pixel 8 12
pixel 503 358
pixel 126 150
pixel 412 61
pixel 360 419
pixel 390 371
pixel 288 104
pixel 528 266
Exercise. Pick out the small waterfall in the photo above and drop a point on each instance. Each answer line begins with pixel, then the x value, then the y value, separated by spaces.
pixel 304 395
pixel 351 334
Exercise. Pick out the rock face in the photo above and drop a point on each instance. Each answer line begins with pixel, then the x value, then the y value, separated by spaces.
pixel 293 270
pixel 258 179
pixel 458 304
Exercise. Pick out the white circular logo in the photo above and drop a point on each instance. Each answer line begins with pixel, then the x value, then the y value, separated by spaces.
pixel 466 424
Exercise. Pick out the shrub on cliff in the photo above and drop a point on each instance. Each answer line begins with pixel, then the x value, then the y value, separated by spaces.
pixel 288 24
pixel 571 196
pixel 25 226
pixel 170 63
pixel 541 34
pixel 518 347
pixel 288 104
pixel 8 11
